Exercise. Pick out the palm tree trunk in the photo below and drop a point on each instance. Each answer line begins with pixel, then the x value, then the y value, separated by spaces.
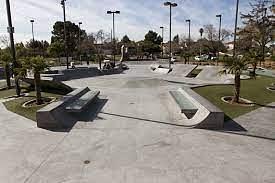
pixel 237 88
pixel 7 73
pixel 37 88
pixel 17 85
pixel 254 70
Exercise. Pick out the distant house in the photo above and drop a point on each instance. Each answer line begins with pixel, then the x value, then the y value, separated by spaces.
pixel 229 45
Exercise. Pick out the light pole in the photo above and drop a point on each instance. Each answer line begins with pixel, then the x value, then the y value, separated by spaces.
pixel 33 47
pixel 220 28
pixel 32 21
pixel 65 36
pixel 13 53
pixel 114 37
pixel 235 31
pixel 79 42
pixel 189 37
pixel 162 34
pixel 201 32
pixel 171 5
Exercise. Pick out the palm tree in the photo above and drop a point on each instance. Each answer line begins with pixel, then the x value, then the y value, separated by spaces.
pixel 236 66
pixel 36 65
pixel 6 60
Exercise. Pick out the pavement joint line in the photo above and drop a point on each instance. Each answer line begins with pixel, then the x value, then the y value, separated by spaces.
pixel 47 157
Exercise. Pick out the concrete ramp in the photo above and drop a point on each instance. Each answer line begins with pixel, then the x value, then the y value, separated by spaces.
pixel 182 70
pixel 160 69
pixel 207 116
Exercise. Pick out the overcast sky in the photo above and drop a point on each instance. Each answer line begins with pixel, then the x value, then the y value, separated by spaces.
pixel 136 18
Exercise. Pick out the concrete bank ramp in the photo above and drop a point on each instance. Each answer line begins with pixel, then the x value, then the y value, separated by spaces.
pixel 207 116
pixel 182 70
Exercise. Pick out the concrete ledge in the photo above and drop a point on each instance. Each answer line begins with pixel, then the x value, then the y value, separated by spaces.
pixel 208 115
pixel 78 73
pixel 54 115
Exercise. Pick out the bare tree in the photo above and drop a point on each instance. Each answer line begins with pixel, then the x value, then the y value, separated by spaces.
pixel 211 32
pixel 4 41
pixel 225 34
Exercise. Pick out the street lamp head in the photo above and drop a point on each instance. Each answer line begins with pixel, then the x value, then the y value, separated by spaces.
pixel 80 23
pixel 218 15
pixel 174 4
pixel 117 12
pixel 167 3
pixel 188 20
pixel 161 27
pixel 31 21
pixel 63 2
pixel 109 12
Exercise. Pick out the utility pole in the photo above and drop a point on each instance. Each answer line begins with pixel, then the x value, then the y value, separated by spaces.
pixel 220 27
pixel 65 36
pixel 162 29
pixel 79 42
pixel 170 4
pixel 114 37
pixel 235 30
pixel 189 38
pixel 201 32
pixel 13 53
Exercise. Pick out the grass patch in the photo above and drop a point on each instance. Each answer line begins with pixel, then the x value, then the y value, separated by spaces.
pixel 10 92
pixel 30 113
pixel 7 93
pixel 254 90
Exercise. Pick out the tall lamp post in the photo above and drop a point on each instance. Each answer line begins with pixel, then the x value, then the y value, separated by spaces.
pixel 201 32
pixel 65 36
pixel 13 54
pixel 114 37
pixel 189 36
pixel 162 35
pixel 170 5
pixel 220 28
pixel 79 41
pixel 32 21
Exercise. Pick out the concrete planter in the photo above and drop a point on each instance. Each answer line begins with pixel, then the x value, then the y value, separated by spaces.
pixel 244 102
pixel 25 105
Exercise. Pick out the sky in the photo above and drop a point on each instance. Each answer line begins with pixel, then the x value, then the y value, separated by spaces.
pixel 136 19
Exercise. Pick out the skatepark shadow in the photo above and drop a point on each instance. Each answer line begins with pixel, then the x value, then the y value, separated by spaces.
pixel 263 105
pixel 91 112
pixel 231 125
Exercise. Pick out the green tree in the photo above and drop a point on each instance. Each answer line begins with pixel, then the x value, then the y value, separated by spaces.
pixel 56 49
pixel 125 40
pixel 36 65
pixel 72 33
pixel 176 39
pixel 152 43
pixel 6 60
pixel 236 66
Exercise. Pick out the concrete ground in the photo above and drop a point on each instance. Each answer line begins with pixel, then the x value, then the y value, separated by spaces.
pixel 134 138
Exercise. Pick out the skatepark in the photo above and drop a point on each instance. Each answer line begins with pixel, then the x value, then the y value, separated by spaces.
pixel 134 132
